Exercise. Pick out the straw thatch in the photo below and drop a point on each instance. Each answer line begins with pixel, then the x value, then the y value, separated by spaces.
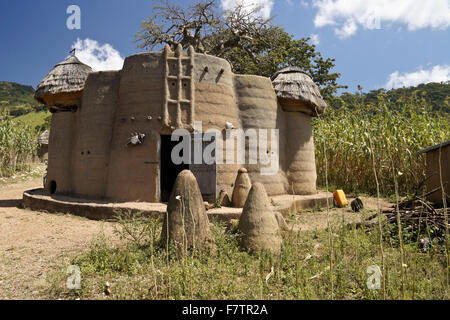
pixel 296 91
pixel 68 76
pixel 43 138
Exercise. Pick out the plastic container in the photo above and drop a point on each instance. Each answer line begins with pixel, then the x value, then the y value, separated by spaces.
pixel 340 198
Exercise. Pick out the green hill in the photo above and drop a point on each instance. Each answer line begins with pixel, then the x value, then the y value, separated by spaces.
pixel 16 94
pixel 38 120
pixel 17 102
pixel 436 94
pixel 17 99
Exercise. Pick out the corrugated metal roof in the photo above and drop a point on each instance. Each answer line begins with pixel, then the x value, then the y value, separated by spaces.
pixel 441 145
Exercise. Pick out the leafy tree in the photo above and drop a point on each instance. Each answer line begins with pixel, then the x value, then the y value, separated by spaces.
pixel 251 43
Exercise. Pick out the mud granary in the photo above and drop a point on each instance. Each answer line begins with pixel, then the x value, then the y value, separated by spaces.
pixel 96 113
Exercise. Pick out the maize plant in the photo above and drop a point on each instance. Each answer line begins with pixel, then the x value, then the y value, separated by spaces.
pixel 17 147
pixel 388 132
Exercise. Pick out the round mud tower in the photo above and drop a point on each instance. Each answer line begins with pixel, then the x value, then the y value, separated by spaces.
pixel 241 189
pixel 258 223
pixel 186 223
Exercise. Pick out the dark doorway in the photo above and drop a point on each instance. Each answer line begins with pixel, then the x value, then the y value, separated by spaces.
pixel 169 170
pixel 52 187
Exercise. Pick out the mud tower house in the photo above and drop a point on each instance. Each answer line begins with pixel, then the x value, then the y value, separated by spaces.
pixel 96 113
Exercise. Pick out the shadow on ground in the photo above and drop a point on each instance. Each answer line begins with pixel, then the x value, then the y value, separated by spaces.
pixel 10 203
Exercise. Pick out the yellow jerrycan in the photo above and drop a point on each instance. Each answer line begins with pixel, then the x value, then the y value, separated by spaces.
pixel 340 198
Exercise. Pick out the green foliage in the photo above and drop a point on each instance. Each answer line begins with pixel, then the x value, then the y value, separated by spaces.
pixel 45 123
pixel 437 95
pixel 277 50
pixel 39 121
pixel 300 272
pixel 354 133
pixel 17 147
pixel 136 228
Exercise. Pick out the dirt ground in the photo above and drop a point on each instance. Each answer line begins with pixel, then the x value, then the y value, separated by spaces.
pixel 34 244
pixel 317 219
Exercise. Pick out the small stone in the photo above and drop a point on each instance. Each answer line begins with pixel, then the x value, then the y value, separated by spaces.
pixel 107 290
pixel 208 206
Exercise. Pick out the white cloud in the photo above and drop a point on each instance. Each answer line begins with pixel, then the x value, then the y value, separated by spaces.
pixel 98 57
pixel 264 6
pixel 436 74
pixel 348 15
pixel 347 30
pixel 315 39
pixel 304 4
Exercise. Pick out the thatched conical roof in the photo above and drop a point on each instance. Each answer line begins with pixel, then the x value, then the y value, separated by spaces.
pixel 68 76
pixel 296 91
pixel 43 138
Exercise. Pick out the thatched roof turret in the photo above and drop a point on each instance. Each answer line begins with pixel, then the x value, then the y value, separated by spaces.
pixel 62 87
pixel 296 91
pixel 43 138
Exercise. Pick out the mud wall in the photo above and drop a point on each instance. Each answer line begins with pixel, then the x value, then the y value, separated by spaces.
pixel 94 125
pixel 434 173
pixel 134 170
pixel 300 157
pixel 215 104
pixel 259 109
pixel 61 139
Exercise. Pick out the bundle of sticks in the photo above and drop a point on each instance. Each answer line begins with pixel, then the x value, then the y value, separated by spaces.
pixel 416 213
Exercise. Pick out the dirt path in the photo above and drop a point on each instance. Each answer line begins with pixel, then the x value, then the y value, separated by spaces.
pixel 33 244
pixel 310 220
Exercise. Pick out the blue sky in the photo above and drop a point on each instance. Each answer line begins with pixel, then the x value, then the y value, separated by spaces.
pixel 376 43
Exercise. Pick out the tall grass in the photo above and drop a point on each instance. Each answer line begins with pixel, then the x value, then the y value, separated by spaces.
pixel 392 133
pixel 17 147
pixel 302 271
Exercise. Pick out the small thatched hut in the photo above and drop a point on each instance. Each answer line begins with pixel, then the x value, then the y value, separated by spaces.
pixel 43 145
pixel 62 87
pixel 300 99
pixel 438 167
pixel 296 91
